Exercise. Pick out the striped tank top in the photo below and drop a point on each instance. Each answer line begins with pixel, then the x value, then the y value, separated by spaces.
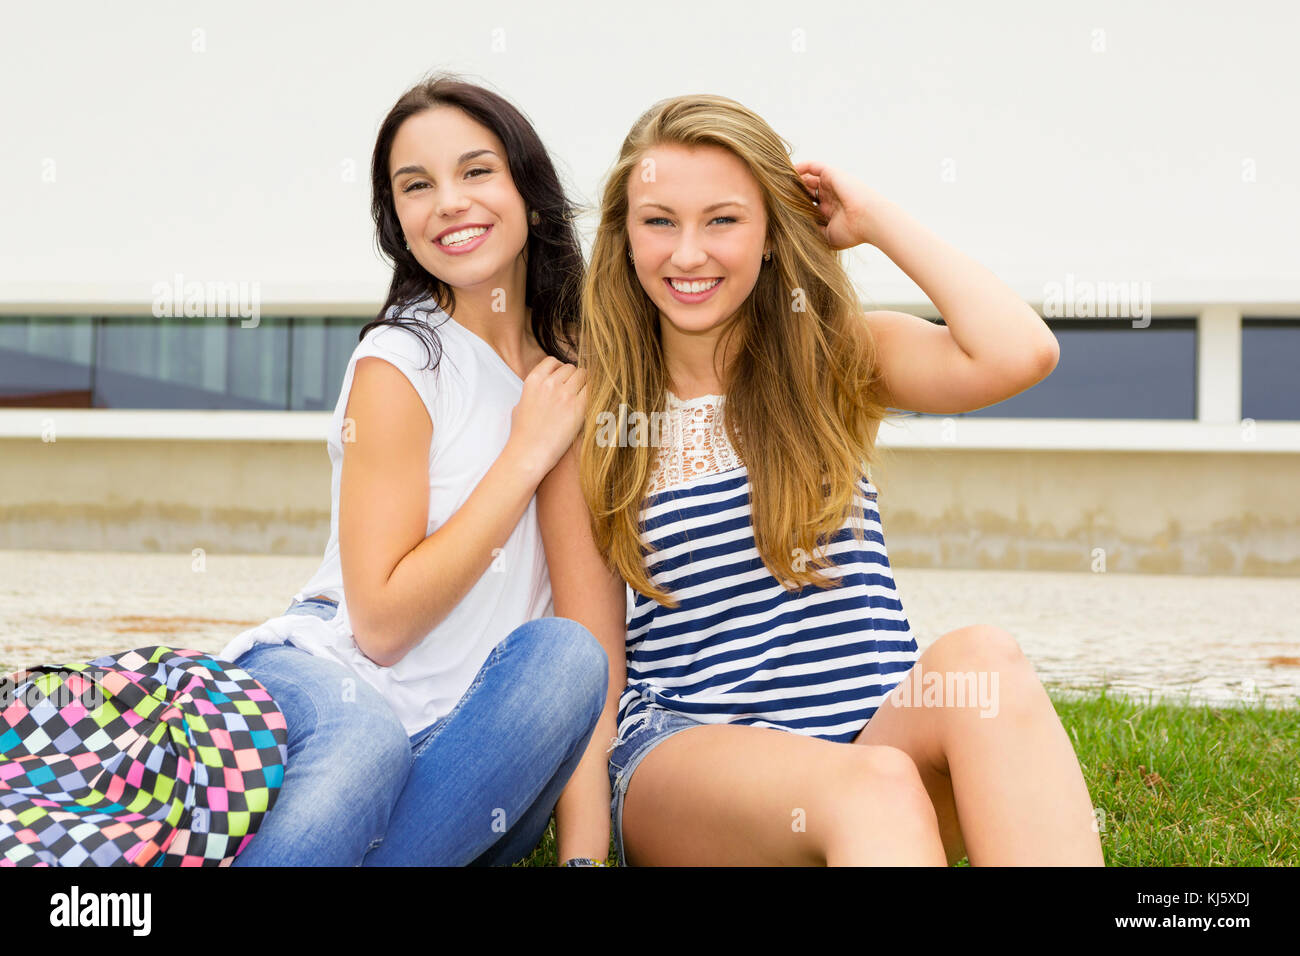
pixel 740 648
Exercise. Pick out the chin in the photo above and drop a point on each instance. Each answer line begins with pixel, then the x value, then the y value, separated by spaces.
pixel 479 273
pixel 693 322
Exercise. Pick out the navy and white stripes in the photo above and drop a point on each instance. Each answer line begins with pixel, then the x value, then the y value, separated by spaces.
pixel 739 648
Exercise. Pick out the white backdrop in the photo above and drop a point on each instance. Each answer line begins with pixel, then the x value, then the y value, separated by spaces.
pixel 1113 141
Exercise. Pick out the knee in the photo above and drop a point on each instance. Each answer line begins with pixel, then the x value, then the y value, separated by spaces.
pixel 362 732
pixel 387 740
pixel 980 646
pixel 578 659
pixel 994 667
pixel 882 765
pixel 879 805
pixel 572 669
pixel 881 781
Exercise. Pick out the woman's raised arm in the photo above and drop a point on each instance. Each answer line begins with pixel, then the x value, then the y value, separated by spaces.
pixel 993 345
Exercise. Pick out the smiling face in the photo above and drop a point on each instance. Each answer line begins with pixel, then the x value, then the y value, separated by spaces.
pixel 697 232
pixel 451 182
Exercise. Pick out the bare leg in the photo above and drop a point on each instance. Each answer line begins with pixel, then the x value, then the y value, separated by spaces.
pixel 734 795
pixel 1001 773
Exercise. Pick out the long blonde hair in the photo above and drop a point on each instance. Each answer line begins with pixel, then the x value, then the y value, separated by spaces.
pixel 798 392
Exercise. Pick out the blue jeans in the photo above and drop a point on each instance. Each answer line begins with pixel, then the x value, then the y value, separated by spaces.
pixel 476 787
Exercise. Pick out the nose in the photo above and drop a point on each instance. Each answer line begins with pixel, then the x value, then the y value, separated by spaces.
pixel 689 254
pixel 451 200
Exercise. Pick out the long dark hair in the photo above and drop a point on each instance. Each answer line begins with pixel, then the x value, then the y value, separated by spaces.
pixel 553 288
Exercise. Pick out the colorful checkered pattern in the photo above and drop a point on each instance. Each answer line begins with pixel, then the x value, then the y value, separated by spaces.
pixel 151 757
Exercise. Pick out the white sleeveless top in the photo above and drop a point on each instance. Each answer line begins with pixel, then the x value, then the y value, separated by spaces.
pixel 469 398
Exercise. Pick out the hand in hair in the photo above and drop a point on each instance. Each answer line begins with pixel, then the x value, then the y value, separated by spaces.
pixel 845 203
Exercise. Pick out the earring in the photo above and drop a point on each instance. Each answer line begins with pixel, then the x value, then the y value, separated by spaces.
pixel 629 256
pixel 534 218
pixel 408 246
pixel 767 256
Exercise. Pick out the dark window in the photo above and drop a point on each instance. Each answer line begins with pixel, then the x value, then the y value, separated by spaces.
pixel 320 348
pixel 45 360
pixel 174 363
pixel 192 363
pixel 1109 369
pixel 1270 369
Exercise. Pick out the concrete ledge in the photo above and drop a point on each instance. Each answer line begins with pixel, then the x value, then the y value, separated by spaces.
pixel 1016 434
pixel 1070 434
pixel 946 505
pixel 133 424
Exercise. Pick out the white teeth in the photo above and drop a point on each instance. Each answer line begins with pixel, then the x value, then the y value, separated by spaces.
pixel 461 237
pixel 702 285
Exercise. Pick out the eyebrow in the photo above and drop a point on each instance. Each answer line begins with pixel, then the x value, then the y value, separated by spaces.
pixel 464 158
pixel 716 205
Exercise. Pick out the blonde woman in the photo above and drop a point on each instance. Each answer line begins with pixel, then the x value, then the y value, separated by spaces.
pixel 758 717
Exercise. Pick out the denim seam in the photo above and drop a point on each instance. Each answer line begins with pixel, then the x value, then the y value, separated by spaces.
pixel 478 679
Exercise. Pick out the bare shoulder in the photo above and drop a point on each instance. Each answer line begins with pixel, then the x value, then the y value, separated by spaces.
pixel 383 399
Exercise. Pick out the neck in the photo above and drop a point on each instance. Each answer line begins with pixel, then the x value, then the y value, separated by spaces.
pixel 494 310
pixel 692 360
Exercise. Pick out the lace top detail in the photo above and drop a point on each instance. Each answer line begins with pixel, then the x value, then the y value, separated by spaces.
pixel 692 442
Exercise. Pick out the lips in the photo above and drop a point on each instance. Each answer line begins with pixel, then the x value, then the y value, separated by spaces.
pixel 469 238
pixel 703 287
pixel 693 286
pixel 461 233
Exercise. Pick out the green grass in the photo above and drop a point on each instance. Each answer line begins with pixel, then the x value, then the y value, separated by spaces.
pixel 1187 785
pixel 1174 784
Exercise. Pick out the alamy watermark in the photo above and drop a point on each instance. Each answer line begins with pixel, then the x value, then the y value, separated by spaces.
pixel 209 300
pixel 950 689
pixel 82 687
pixel 1085 299
pixel 631 429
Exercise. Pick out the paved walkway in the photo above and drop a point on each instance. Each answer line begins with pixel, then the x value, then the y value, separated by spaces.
pixel 1205 639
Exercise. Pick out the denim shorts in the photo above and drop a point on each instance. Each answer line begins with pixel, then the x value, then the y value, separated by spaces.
pixel 654 728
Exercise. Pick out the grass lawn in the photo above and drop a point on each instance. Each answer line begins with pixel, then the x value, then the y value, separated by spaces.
pixel 1174 785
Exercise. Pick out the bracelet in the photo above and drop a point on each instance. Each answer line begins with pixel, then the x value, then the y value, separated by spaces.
pixel 584 861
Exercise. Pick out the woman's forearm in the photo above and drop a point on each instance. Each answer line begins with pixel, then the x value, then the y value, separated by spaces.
pixel 582 819
pixel 435 575
pixel 587 591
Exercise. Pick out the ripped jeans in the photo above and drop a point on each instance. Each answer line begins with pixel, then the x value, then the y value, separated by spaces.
pixel 476 787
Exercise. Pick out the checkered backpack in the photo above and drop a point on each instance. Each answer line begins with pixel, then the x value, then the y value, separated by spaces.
pixel 151 757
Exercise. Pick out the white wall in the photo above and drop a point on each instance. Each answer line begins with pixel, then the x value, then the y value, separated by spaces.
pixel 228 164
